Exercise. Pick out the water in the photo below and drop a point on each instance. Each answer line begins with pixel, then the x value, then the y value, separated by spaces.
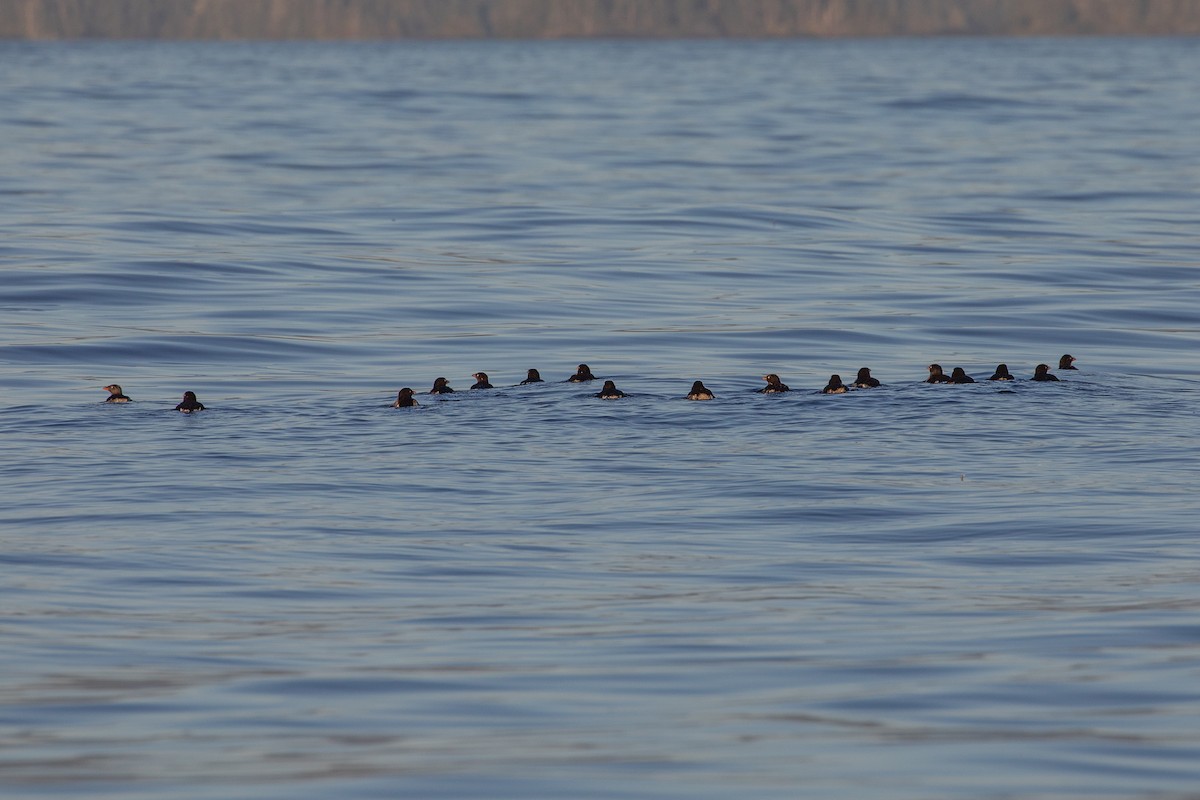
pixel 982 591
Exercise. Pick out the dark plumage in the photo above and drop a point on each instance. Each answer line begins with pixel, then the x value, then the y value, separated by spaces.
pixel 936 375
pixel 835 385
pixel 115 395
pixel 1001 373
pixel 441 386
pixel 405 399
pixel 864 379
pixel 1067 362
pixel 959 375
pixel 700 392
pixel 1042 373
pixel 774 385
pixel 582 373
pixel 481 381
pixel 610 391
pixel 533 376
pixel 189 404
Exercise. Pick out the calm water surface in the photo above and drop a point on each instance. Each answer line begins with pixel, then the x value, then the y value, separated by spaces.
pixel 915 592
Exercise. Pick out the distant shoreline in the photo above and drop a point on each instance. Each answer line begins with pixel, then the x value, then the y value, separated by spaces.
pixel 367 20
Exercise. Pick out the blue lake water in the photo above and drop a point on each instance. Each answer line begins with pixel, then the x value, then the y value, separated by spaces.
pixel 913 592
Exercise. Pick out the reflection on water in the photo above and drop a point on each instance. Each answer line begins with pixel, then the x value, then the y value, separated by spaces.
pixel 527 592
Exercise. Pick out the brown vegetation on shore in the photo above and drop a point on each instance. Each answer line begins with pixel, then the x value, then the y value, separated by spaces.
pixel 556 19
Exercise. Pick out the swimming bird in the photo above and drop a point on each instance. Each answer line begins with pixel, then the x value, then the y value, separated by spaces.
pixel 441 386
pixel 864 379
pixel 774 385
pixel 1067 362
pixel 582 373
pixel 936 375
pixel 533 376
pixel 189 404
pixel 405 399
pixel 835 386
pixel 1001 373
pixel 481 381
pixel 1042 373
pixel 115 395
pixel 700 392
pixel 959 375
pixel 610 391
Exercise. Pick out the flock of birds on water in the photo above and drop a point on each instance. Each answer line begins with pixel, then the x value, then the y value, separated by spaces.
pixel 406 398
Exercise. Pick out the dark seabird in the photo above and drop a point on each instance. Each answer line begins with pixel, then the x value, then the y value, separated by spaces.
pixel 959 375
pixel 189 404
pixel 774 385
pixel 610 391
pixel 115 394
pixel 1042 373
pixel 1001 373
pixel 405 399
pixel 864 379
pixel 1067 362
pixel 481 381
pixel 700 392
pixel 936 375
pixel 835 386
pixel 533 376
pixel 582 373
pixel 441 386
